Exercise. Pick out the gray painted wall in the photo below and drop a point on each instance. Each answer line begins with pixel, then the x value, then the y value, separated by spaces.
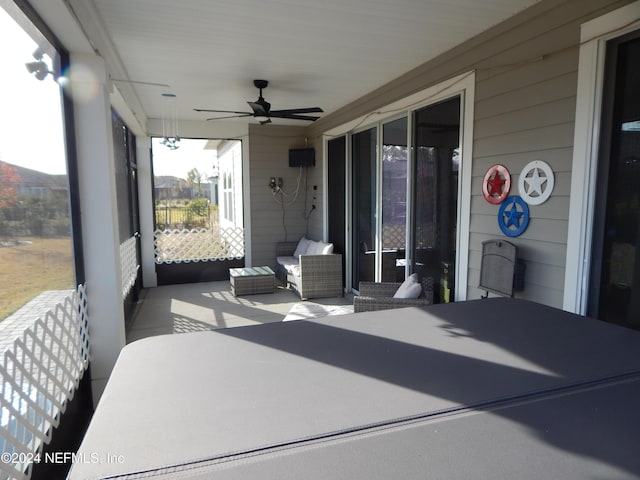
pixel 526 78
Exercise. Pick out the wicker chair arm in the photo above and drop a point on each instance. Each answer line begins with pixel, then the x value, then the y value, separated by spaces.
pixel 377 289
pixel 363 303
pixel 320 276
pixel 320 264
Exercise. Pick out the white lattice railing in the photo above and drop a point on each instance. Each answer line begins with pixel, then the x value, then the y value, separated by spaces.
pixel 129 264
pixel 41 370
pixel 198 245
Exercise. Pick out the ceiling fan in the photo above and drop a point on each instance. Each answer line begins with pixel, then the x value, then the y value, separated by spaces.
pixel 262 110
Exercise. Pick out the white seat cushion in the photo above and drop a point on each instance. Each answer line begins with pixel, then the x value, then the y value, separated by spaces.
pixel 290 264
pixel 285 261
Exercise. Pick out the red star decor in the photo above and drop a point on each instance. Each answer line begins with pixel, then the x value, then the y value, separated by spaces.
pixel 496 184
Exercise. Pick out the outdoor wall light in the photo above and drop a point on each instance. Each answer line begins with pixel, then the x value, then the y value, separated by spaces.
pixel 39 68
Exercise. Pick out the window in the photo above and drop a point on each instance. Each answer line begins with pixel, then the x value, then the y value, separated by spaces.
pixel 227 194
pixel 230 168
pixel 36 247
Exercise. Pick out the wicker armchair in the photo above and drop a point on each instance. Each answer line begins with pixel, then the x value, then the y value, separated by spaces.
pixel 379 296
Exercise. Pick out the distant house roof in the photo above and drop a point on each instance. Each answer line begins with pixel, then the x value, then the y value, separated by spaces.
pixel 30 178
pixel 167 181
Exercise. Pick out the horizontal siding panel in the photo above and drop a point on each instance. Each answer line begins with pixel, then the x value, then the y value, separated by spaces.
pixel 548 296
pixel 539 229
pixel 271 218
pixel 556 208
pixel 492 81
pixel 544 138
pixel 521 97
pixel 540 115
pixel 539 275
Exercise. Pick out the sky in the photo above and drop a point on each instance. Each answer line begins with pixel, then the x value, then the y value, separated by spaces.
pixel 177 163
pixel 31 132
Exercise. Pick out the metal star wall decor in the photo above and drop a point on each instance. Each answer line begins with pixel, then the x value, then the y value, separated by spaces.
pixel 513 216
pixel 496 184
pixel 536 182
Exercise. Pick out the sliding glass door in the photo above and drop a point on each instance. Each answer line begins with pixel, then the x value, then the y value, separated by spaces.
pixel 393 196
pixel 435 178
pixel 336 197
pixel 401 204
pixel 364 203
pixel 615 272
pixel 379 202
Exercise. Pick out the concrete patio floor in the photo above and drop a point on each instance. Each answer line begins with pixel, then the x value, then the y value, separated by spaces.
pixel 210 305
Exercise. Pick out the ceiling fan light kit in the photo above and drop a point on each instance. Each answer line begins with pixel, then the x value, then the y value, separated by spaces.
pixel 261 110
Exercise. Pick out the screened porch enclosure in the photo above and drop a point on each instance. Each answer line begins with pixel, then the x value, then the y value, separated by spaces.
pixel 198 210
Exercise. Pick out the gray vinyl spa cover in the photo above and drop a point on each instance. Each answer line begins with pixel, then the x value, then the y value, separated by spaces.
pixel 485 389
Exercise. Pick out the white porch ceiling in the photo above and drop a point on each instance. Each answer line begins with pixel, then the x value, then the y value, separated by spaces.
pixel 314 53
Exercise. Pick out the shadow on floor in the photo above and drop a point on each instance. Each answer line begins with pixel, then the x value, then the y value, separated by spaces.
pixel 210 305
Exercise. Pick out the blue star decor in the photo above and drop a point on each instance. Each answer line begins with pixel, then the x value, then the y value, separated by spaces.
pixel 513 216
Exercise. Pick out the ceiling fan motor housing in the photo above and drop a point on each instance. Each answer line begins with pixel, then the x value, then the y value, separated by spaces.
pixel 261 84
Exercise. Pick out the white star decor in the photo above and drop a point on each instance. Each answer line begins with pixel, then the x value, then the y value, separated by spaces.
pixel 536 182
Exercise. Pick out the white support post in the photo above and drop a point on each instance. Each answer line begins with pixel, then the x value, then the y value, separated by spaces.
pixel 145 203
pixel 99 216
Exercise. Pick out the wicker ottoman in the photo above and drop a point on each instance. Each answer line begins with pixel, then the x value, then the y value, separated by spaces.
pixel 251 280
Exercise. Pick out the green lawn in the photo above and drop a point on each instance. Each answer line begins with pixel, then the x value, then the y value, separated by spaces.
pixel 28 270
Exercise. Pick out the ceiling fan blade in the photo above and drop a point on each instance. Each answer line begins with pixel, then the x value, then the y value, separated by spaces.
pixel 231 116
pixel 293 111
pixel 221 111
pixel 294 117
